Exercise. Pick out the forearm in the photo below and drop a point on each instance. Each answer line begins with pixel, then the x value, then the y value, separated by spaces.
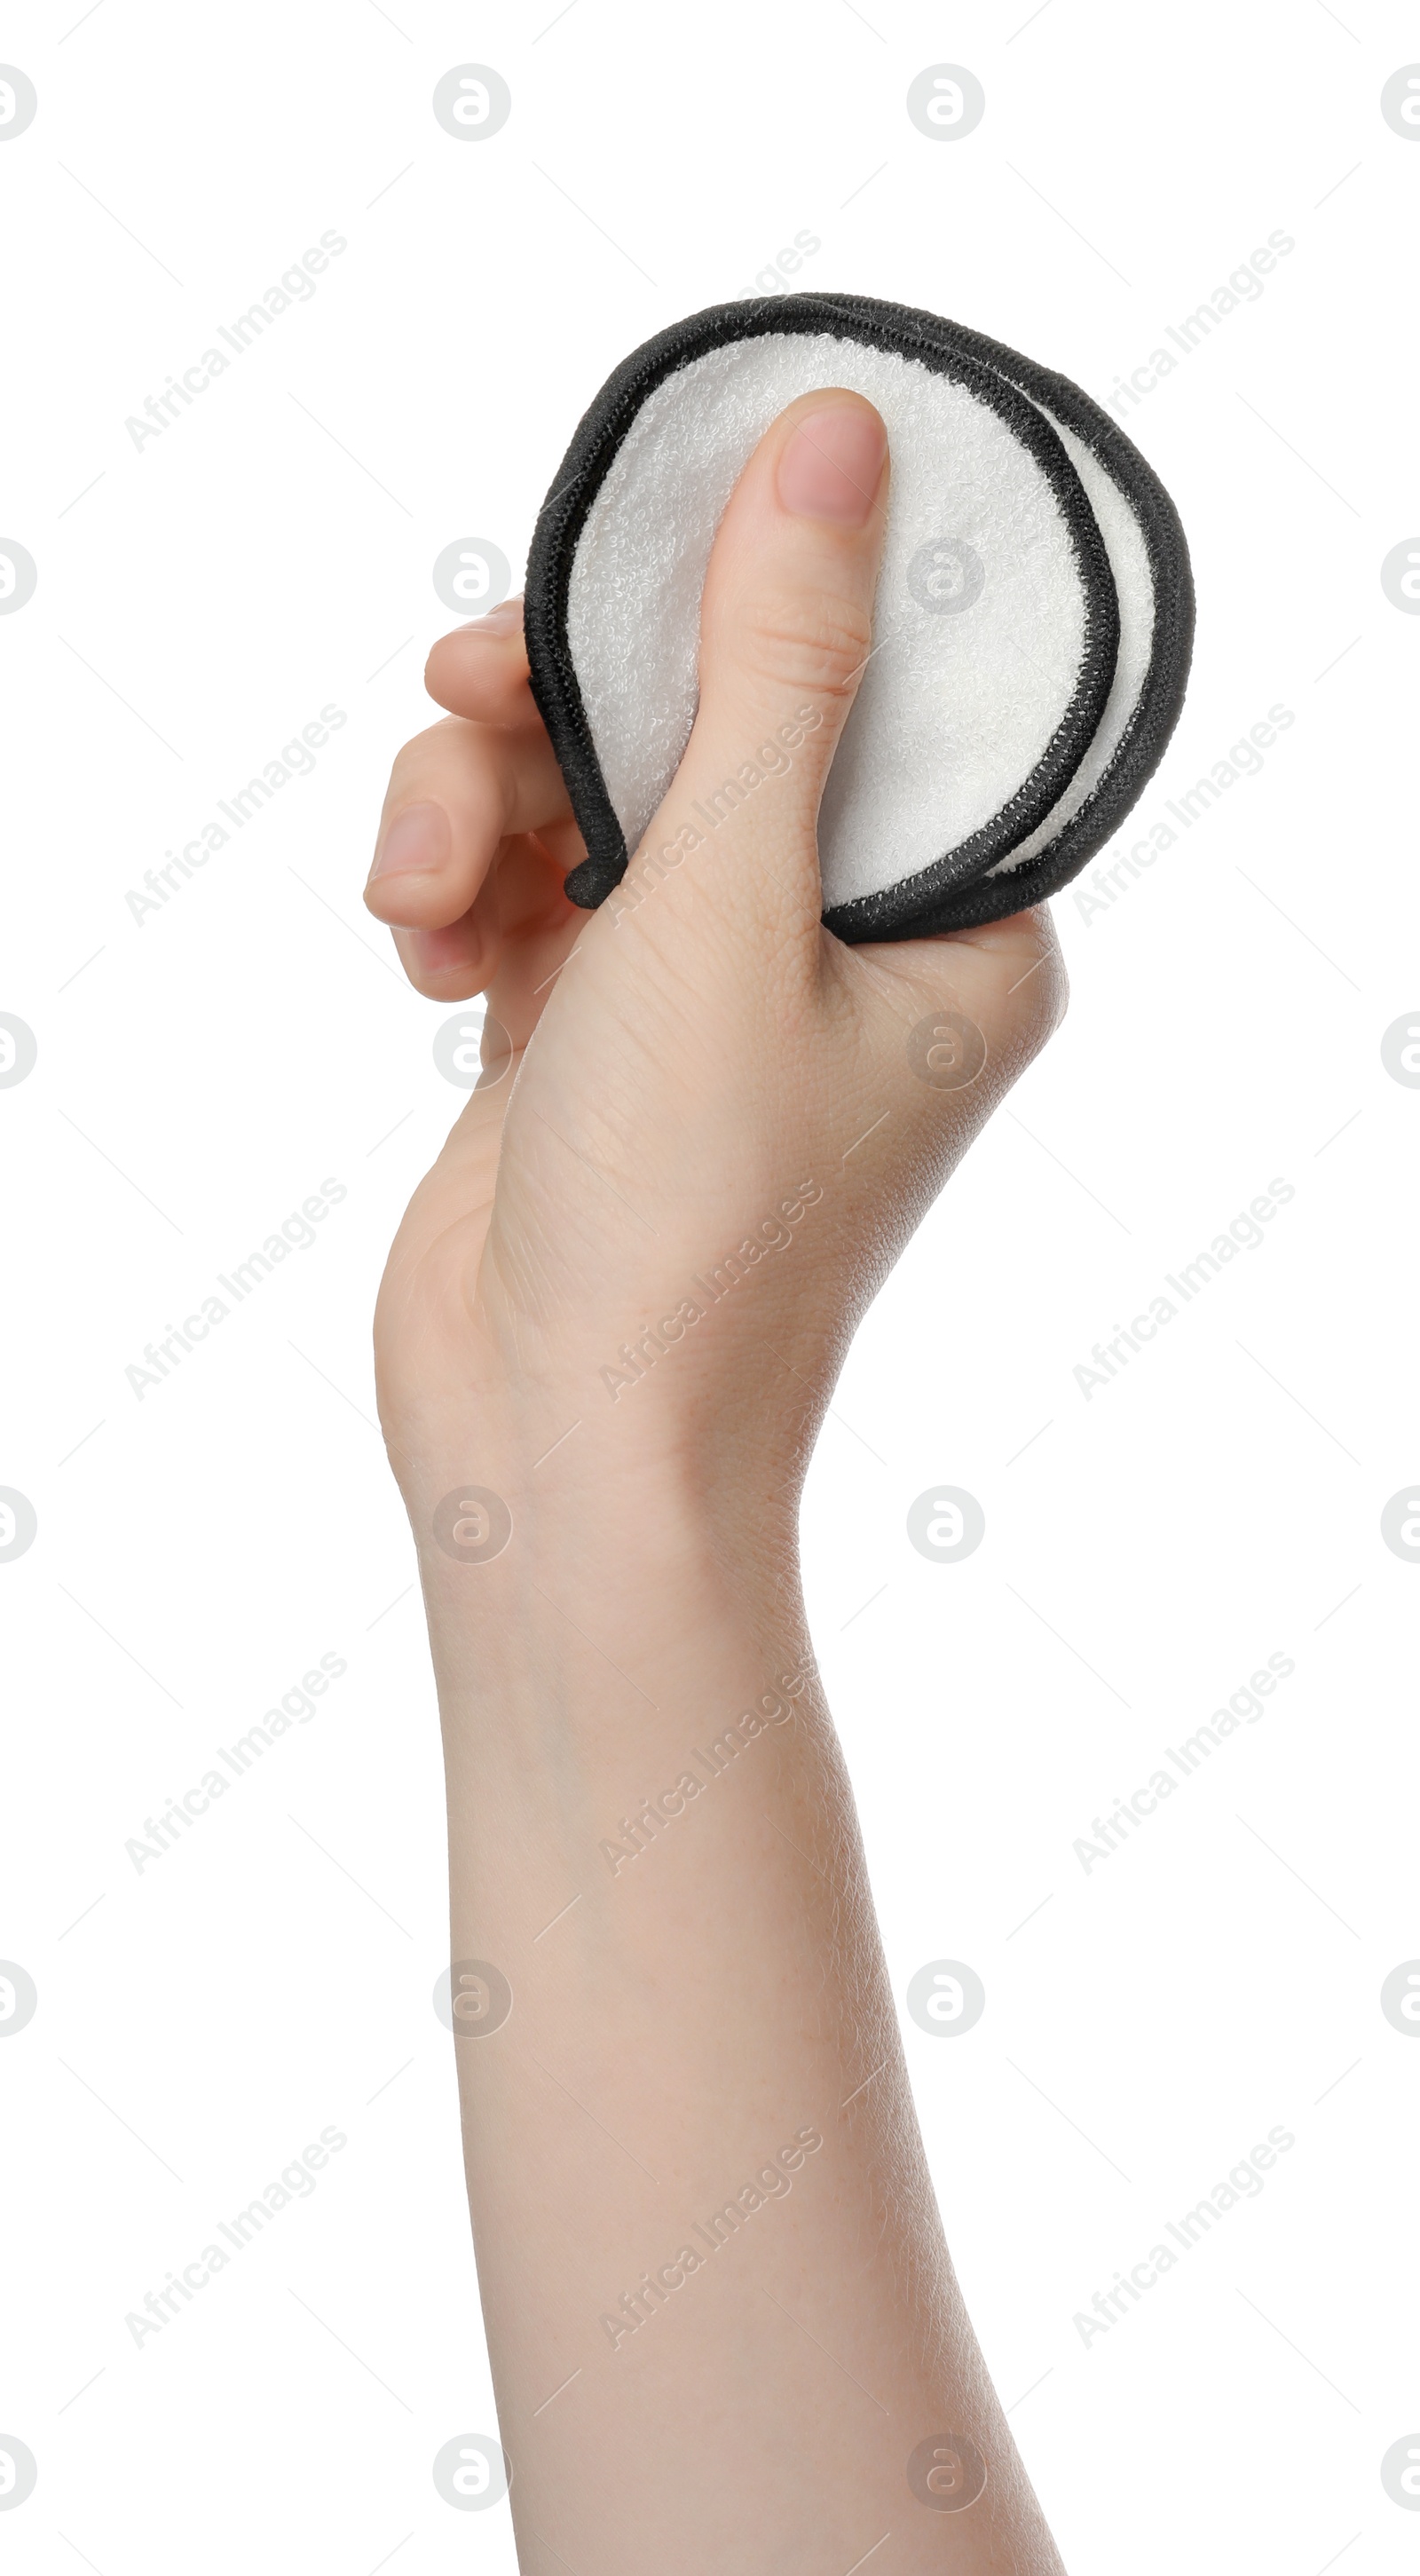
pixel 698 2191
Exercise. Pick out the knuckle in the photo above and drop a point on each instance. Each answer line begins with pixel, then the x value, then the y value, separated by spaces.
pixel 433 749
pixel 1037 1009
pixel 1053 1001
pixel 809 640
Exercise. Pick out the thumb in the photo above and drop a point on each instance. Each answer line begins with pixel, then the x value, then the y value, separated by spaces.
pixel 787 612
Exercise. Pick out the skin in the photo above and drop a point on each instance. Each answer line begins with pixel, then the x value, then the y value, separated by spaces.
pixel 665 1079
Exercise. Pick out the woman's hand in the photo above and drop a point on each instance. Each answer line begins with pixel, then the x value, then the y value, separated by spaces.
pixel 666 1078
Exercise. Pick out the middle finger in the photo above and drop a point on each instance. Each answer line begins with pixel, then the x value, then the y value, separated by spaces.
pixel 455 793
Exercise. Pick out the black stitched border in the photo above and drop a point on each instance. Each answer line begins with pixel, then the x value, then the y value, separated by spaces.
pixel 897 911
pixel 1145 739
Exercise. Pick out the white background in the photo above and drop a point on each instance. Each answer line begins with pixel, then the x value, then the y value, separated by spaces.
pixel 200 1073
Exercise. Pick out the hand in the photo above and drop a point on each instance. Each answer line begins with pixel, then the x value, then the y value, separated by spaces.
pixel 665 1078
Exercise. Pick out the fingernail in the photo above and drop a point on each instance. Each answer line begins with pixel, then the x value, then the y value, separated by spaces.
pixel 832 465
pixel 417 838
pixel 501 620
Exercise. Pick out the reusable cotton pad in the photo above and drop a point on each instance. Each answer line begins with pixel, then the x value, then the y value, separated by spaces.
pixel 1032 623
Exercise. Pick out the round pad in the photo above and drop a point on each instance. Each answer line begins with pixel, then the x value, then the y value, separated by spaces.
pixel 1014 701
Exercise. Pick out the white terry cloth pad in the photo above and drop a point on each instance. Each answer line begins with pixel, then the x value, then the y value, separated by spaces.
pixel 1031 624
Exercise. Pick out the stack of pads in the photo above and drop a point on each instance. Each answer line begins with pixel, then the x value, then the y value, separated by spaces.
pixel 1032 625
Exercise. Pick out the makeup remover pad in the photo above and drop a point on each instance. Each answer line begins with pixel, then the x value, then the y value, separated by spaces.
pixel 1031 628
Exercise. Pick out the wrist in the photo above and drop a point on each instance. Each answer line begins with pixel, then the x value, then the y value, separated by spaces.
pixel 599 1577
pixel 589 1487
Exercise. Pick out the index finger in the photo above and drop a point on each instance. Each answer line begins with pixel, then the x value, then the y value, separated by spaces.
pixel 481 671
